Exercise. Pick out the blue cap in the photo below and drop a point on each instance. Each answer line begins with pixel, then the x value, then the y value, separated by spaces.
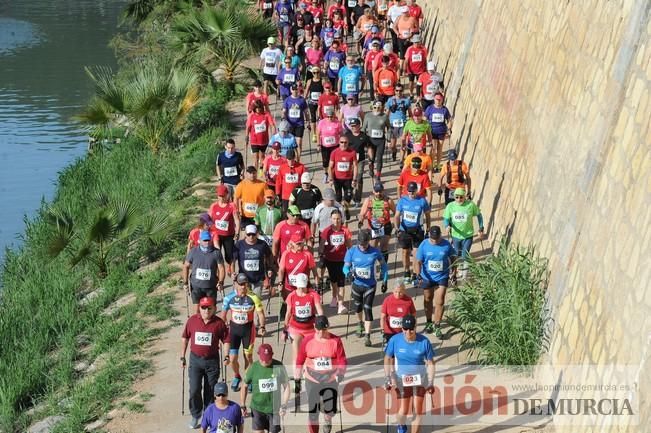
pixel 204 235
pixel 452 154
pixel 221 388
pixel 375 29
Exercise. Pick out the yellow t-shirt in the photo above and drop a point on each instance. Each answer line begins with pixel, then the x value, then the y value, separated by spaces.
pixel 251 194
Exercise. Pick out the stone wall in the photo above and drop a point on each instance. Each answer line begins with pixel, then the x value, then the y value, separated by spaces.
pixel 552 110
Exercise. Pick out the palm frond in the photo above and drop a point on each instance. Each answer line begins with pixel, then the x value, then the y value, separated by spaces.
pixel 123 213
pixel 102 228
pixel 64 231
pixel 107 89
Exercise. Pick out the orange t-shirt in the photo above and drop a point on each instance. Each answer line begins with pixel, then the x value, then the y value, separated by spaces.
pixel 251 194
pixel 406 26
pixel 385 81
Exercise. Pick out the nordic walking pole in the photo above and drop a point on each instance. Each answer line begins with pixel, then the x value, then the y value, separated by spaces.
pixel 187 303
pixel 341 422
pixel 387 402
pixel 183 390
pixel 348 315
pixel 280 305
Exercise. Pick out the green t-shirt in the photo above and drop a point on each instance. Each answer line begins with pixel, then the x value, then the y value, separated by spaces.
pixel 267 219
pixel 267 385
pixel 416 130
pixel 460 217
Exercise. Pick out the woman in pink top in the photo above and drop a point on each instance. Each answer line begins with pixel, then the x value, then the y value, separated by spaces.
pixel 328 132
pixel 313 55
pixel 351 110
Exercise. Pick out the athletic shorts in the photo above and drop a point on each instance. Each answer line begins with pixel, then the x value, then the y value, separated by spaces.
pixel 396 132
pixel 265 421
pixel 268 77
pixel 412 77
pixel 297 131
pixel 410 391
pixel 291 330
pixel 388 229
pixel 439 136
pixel 242 335
pixel 403 44
pixel 227 243
pixel 428 284
pixel 410 239
pixel 257 149
pixel 245 221
pixel 197 293
pixel 336 272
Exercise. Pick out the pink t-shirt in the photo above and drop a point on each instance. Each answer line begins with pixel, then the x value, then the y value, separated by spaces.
pixel 314 57
pixel 329 132
pixel 349 112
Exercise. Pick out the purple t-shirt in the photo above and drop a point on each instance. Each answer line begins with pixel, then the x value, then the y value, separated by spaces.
pixel 292 106
pixel 226 420
pixel 335 60
pixel 287 78
pixel 437 118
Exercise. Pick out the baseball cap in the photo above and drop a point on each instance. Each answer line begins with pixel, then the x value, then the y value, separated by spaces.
pixel 251 229
pixel 327 85
pixel 460 191
pixel 417 112
pixel 378 187
pixel 412 187
pixel 409 322
pixel 301 280
pixel 438 95
pixel 283 126
pixel 205 218
pixel 435 232
pixel 275 145
pixel 375 29
pixel 306 178
pixel 415 38
pixel 271 40
pixel 321 322
pixel 315 68
pixel 375 42
pixel 242 278
pixel 221 388
pixel 364 236
pixel 222 190
pixel 265 352
pixel 204 235
pixel 293 210
pixel 329 194
pixel 269 193
pixel 431 66
pixel 452 154
pixel 291 154
pixel 354 122
pixel 416 162
pixel 207 301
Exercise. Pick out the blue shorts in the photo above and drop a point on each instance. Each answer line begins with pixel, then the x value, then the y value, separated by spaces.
pixel 428 284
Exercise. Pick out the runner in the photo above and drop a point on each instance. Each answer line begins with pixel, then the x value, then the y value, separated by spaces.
pixel 290 53
pixel 415 129
pixel 398 108
pixel 270 62
pixel 394 308
pixel 267 217
pixel 328 132
pixel 286 230
pixel 286 139
pixel 256 95
pixel 350 111
pixel 404 27
pixel 206 265
pixel 224 415
pixel 205 224
pixel 304 42
pixel 259 126
pixel 286 78
pixel 428 84
pixel 455 174
pixel 269 392
pixel 313 91
pixel 254 259
pixel 238 310
pixel 385 80
pixel 376 212
pixel 395 12
pixel 375 126
pixel 360 263
pixel 369 59
pixel 409 220
pixel 328 102
pixel 334 241
pixel 316 9
pixel 350 78
pixel 457 220
pixel 409 368
pixel 419 152
pixel 229 165
pixel 360 143
pixel 288 178
pixel 322 362
pixel 321 219
pixel 299 319
pixel 294 111
pixel 249 195
pixel 441 121
pixel 227 224
pixel 203 331
pixel 341 172
pixel 363 21
pixel 271 165
pixel 284 17
pixel 433 260
pixel 415 62
pixel 266 8
pixel 327 35
pixel 415 11
pixel 394 60
pixel 334 58
pixel 306 197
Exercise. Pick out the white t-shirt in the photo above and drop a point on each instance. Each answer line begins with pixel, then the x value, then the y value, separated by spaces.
pixel 271 60
pixel 395 11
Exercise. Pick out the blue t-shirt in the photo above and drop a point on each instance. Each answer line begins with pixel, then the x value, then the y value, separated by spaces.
pixel 412 211
pixel 410 357
pixel 350 79
pixel 293 106
pixel 435 259
pixel 231 166
pixel 286 143
pixel 437 118
pixel 224 420
pixel 363 265
pixel 398 118
pixel 287 78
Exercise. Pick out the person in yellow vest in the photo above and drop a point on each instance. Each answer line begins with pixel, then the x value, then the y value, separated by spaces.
pixel 249 195
pixel 455 174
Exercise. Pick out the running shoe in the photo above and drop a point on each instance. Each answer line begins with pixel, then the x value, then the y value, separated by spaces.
pixel 342 309
pixel 314 138
pixel 407 278
pixel 402 429
pixel 429 328
pixel 235 384
pixel 438 332
pixel 333 303
pixel 360 329
pixel 327 426
pixel 367 341
pixel 195 423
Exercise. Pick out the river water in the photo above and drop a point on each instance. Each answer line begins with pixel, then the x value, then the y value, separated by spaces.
pixel 44 46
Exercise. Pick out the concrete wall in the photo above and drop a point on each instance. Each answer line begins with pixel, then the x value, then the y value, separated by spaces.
pixel 551 102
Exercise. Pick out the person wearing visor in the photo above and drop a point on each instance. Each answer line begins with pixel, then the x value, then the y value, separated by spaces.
pixel 359 264
pixel 409 369
pixel 254 259
pixel 294 111
pixel 376 212
pixel 306 197
pixel 224 415
pixel 457 221
pixel 394 309
pixel 203 268
pixel 322 362
pixel 434 259
pixel 410 212
pixel 375 126
pixel 419 177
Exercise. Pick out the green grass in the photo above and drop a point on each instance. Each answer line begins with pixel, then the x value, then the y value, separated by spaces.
pixel 501 309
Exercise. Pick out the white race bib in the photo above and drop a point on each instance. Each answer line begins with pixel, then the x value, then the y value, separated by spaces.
pixel 317 20
pixel 329 110
pixel 351 87
pixel 307 213
pixel 221 225
pixel 417 57
pixel 273 170
pixel 252 265
pixel 334 64
pixel 411 380
pixel 435 265
pixel 240 318
pixel 376 133
pixel 385 82
pixel 337 240
pixel 291 178
pixel 230 171
pixel 202 274
pixel 395 322
pixel 323 364
pixel 203 338
pixel 364 273
pixel 343 166
pixel 352 3
pixel 303 311
pixel 366 27
pixel 294 113
pixel 250 207
pixel 377 233
pixel 289 78
pixel 259 128
pixel 382 8
pixel 315 96
pixel 329 141
pixel 410 217
pixel 459 217
pixel 406 33
pixel 397 123
pixel 268 385
pixel 438 117
pixel 266 6
pixel 430 88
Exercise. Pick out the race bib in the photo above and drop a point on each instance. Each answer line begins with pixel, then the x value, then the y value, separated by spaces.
pixel 259 128
pixel 406 33
pixel 307 213
pixel 268 385
pixel 417 57
pixel 376 133
pixel 266 6
pixel 292 280
pixel 351 87
pixel 377 233
pixel 323 363
pixel 329 141
pixel 435 265
pixel 289 78
pixel 451 194
pixel 382 8
pixel 411 380
pixel 268 239
pixel 317 20
pixel 240 318
pixel 329 110
pixel 410 217
pixel 438 117
pixel 303 311
pixel 250 207
pixel 291 178
pixel 385 82
pixel 352 3
pixel 459 217
pixel 273 170
pixel 221 225
pixel 337 240
pixel 366 27
pixel 398 123
pixel 230 171
pixel 315 96
pixel 395 322
pixel 294 113
pixel 364 273
pixel 252 265
pixel 334 64
pixel 203 338
pixel 202 274
pixel 343 166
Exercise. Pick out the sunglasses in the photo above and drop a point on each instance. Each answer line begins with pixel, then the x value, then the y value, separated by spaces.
pixel 343 142
pixel 205 307
pixel 458 196
pixel 408 330
pixel 293 214
pixel 251 234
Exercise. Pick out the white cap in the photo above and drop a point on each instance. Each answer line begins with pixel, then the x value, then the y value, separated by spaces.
pixel 300 280
pixel 251 229
pixel 388 48
pixel 306 178
pixel 431 66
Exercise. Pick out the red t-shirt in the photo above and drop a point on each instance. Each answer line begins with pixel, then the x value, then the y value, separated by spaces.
pixel 194 235
pixel 284 232
pixel 416 59
pixel 273 165
pixel 302 309
pixel 328 353
pixel 288 178
pixel 327 100
pixel 204 337
pixel 251 98
pixel 295 263
pixel 370 59
pixel 335 243
pixel 415 11
pixel 394 61
pixel 421 179
pixel 343 163
pixel 259 124
pixel 222 216
pixel 395 309
pixel 317 13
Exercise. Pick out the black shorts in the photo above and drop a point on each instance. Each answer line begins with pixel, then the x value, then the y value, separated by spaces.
pixel 265 421
pixel 257 149
pixel 245 221
pixel 403 44
pixel 313 111
pixel 412 77
pixel 241 335
pixel 426 284
pixel 227 243
pixel 388 229
pixel 439 136
pixel 270 78
pixel 336 272
pixel 410 238
pixel 197 293
pixel 297 131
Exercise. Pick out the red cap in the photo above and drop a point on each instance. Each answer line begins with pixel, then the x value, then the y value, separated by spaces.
pixel 265 352
pixel 438 96
pixel 222 190
pixel 275 145
pixel 296 237
pixel 207 302
pixel 417 112
pixel 327 85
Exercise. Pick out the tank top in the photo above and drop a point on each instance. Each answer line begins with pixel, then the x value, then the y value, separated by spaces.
pixel 315 90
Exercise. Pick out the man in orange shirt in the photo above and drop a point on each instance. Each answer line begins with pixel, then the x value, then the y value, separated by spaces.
pixel 288 178
pixel 419 151
pixel 385 80
pixel 421 178
pixel 455 174
pixel 405 27
pixel 249 195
